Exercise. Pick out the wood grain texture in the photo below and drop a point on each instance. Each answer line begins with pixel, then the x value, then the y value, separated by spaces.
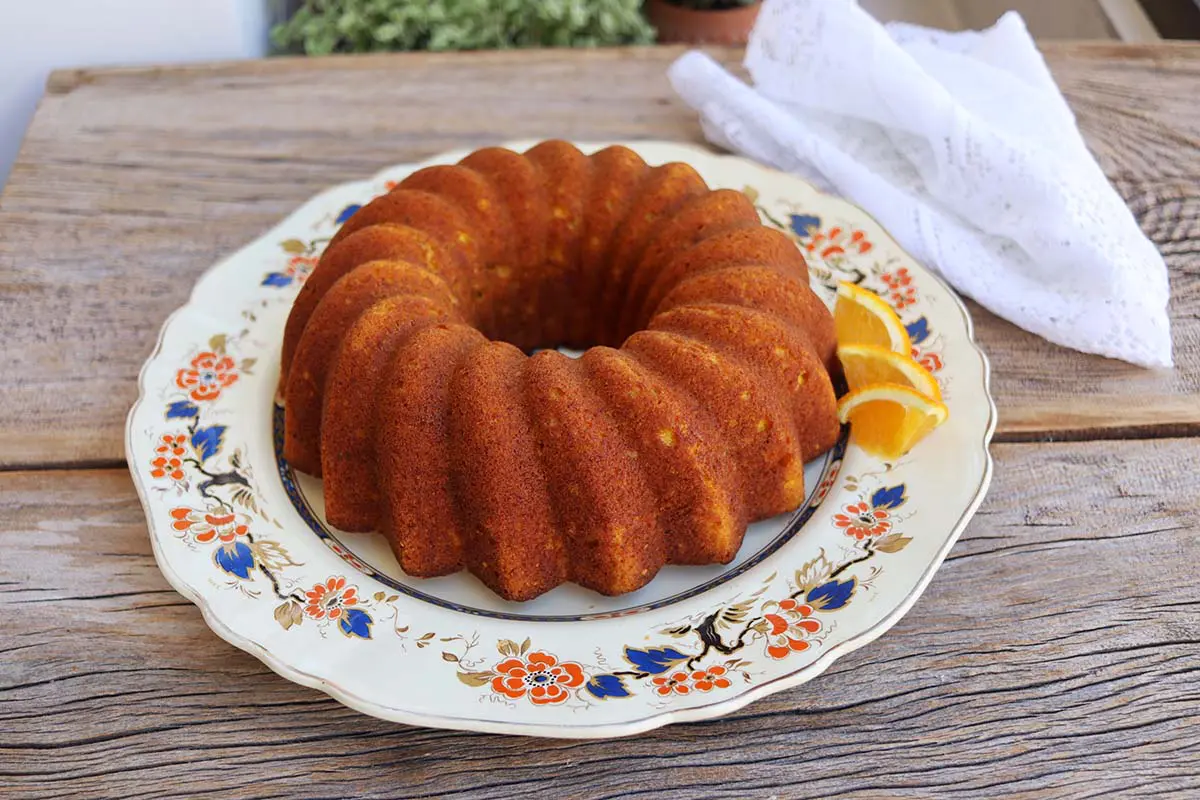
pixel 1054 655
pixel 132 182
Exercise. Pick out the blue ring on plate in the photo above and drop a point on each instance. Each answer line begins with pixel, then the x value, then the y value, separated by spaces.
pixel 300 502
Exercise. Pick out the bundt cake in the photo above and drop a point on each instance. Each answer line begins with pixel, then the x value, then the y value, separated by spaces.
pixel 408 384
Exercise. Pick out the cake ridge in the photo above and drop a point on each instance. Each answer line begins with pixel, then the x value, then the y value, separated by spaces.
pixel 474 196
pixel 349 297
pixel 348 421
pixel 757 430
pixel 421 517
pixel 764 289
pixel 618 177
pixel 519 187
pixel 382 242
pixel 665 190
pixel 781 354
pixel 568 174
pixel 729 248
pixel 702 515
pixel 700 218
pixel 496 472
pixel 606 512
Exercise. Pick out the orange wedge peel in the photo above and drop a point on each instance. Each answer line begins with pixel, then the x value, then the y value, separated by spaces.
pixel 886 419
pixel 893 401
pixel 868 364
pixel 862 317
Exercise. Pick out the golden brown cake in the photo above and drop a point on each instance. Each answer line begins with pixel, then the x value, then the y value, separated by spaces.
pixel 409 387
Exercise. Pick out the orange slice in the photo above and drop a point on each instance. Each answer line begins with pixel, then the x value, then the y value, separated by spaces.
pixel 866 364
pixel 863 317
pixel 887 420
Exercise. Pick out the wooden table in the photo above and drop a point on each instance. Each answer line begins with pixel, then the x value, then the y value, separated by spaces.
pixel 1026 667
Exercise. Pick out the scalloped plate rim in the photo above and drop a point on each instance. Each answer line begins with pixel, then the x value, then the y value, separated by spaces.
pixel 659 718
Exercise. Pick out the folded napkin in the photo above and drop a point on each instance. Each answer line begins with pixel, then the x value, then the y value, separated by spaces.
pixel 962 146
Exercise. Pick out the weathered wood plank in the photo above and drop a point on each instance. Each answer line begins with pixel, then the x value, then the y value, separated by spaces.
pixel 1146 135
pixel 132 182
pixel 1054 654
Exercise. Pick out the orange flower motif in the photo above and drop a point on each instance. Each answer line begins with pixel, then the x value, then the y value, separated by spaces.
pixel 163 467
pixel 207 376
pixel 903 298
pixel 791 627
pixel 898 279
pixel 168 462
pixel 539 675
pixel 836 241
pixel 902 294
pixel 206 526
pixel 930 361
pixel 347 556
pixel 711 678
pixel 702 680
pixel 327 600
pixel 826 486
pixel 861 520
pixel 676 682
pixel 172 445
pixel 300 267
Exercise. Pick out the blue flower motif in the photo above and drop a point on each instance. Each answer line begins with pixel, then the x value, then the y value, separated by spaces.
pixel 236 558
pixel 277 279
pixel 804 225
pixel 833 595
pixel 889 497
pixel 654 659
pixel 603 686
pixel 918 330
pixel 355 622
pixel 207 441
pixel 348 212
pixel 182 409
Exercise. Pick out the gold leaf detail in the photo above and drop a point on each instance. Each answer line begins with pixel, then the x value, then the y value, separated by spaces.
pixel 272 555
pixel 475 678
pixel 813 573
pixel 735 614
pixel 892 543
pixel 288 614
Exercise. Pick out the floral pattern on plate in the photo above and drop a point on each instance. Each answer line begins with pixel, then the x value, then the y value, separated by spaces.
pixel 227 535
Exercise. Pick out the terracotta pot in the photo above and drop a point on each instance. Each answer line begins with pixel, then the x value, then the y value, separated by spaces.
pixel 690 26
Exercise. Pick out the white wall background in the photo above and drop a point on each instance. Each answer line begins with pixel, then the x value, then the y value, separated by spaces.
pixel 37 36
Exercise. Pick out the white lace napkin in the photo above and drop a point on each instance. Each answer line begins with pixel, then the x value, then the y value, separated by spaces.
pixel 961 145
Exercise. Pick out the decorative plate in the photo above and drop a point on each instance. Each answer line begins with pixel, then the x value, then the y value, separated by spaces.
pixel 241 535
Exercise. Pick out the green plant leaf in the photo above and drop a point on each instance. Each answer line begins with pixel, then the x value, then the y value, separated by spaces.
pixel 387 32
pixel 326 26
